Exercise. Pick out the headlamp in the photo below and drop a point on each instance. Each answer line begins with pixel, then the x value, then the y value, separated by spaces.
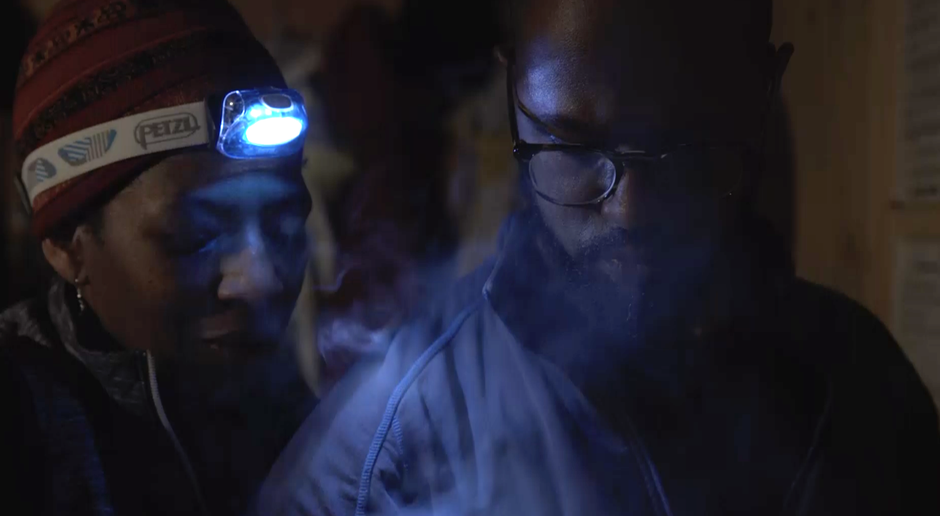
pixel 242 124
pixel 256 123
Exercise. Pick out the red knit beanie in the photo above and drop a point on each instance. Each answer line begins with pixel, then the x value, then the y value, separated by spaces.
pixel 93 61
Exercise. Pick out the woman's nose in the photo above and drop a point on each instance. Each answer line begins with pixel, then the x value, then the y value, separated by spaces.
pixel 249 275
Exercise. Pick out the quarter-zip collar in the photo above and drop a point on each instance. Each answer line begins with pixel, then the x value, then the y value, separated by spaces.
pixel 121 372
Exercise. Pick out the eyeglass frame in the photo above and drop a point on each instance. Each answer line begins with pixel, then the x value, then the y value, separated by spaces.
pixel 524 151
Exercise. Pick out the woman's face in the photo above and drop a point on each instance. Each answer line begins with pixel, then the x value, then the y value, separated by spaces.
pixel 202 257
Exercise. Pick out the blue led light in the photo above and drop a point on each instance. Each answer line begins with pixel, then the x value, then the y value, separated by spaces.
pixel 260 123
pixel 274 131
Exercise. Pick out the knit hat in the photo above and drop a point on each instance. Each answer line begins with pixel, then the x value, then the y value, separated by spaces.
pixel 94 61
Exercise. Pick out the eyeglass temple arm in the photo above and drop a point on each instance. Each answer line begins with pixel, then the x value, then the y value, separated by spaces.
pixel 781 60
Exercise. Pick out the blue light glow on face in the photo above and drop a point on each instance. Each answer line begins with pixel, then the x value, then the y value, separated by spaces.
pixel 254 113
pixel 274 131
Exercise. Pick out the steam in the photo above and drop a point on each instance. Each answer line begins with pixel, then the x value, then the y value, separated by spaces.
pixel 332 288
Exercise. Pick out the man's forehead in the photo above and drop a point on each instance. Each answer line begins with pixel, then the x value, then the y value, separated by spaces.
pixel 626 66
pixel 585 106
pixel 652 91
pixel 743 21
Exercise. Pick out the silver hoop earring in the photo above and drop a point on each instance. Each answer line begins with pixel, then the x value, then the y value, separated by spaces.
pixel 78 295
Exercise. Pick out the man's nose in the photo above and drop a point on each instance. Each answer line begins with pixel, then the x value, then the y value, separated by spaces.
pixel 629 205
pixel 248 274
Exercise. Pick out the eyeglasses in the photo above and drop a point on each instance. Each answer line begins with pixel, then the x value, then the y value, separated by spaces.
pixel 579 175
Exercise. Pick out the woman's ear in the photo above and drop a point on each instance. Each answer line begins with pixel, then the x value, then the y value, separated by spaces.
pixel 67 256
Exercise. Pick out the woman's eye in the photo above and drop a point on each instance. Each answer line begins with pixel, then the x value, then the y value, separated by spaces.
pixel 192 242
pixel 292 225
pixel 286 225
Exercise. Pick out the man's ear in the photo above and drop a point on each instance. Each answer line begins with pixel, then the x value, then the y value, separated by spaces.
pixel 67 256
pixel 777 61
pixel 502 55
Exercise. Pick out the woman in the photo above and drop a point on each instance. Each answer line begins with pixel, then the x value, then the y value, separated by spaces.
pixel 150 378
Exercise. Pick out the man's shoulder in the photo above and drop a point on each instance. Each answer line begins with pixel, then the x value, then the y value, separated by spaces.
pixel 813 341
pixel 434 326
pixel 881 421
pixel 451 301
pixel 350 428
pixel 856 350
pixel 444 315
pixel 359 401
pixel 814 296
pixel 819 314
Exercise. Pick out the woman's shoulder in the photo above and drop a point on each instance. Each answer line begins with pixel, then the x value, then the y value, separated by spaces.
pixel 28 323
pixel 25 345
pixel 36 367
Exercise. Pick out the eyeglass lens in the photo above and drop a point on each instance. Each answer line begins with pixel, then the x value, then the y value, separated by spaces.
pixel 575 177
pixel 572 177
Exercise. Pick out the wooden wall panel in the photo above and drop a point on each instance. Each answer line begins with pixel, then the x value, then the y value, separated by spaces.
pixel 842 111
pixel 843 95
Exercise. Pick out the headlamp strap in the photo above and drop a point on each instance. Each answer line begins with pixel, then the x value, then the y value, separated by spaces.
pixel 97 146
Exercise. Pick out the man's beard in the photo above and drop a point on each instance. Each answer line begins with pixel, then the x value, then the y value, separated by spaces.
pixel 622 297
pixel 614 310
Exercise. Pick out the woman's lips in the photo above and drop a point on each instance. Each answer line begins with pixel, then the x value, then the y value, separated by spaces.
pixel 225 328
pixel 241 332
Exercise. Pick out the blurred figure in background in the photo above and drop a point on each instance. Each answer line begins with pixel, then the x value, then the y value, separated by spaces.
pixel 388 85
pixel 638 346
pixel 19 272
pixel 153 376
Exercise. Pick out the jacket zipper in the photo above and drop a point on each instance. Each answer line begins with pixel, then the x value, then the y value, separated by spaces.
pixel 647 469
pixel 180 452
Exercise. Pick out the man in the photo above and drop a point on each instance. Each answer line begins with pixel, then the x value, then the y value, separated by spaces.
pixel 635 348
pixel 152 377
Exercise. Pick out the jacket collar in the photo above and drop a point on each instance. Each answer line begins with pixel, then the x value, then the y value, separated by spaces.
pixel 119 371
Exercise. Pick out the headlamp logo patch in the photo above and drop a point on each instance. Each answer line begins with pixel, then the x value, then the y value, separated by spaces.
pixel 39 170
pixel 88 149
pixel 165 128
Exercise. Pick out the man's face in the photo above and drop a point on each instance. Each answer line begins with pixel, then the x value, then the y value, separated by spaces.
pixel 591 74
pixel 202 257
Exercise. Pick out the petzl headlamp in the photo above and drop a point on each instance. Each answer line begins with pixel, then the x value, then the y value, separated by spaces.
pixel 242 124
